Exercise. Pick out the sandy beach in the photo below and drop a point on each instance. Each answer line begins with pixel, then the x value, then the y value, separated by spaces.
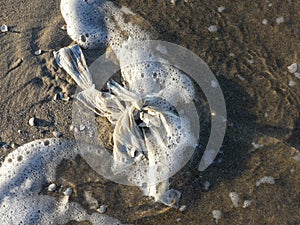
pixel 249 52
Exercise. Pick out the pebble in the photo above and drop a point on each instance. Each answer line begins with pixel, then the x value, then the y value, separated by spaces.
pixel 64 27
pixel 292 83
pixel 234 198
pixel 217 215
pixel 293 68
pixel 172 1
pixel 81 127
pixel 206 185
pixel 264 22
pixel 265 180
pixel 213 28
pixel 280 20
pixel 14 145
pixel 57 134
pixel 38 52
pixel 221 9
pixel 102 209
pixel 20 131
pixel 68 192
pixel 32 122
pixel 52 187
pixel 297 74
pixel 4 28
pixel 247 203
pixel 182 208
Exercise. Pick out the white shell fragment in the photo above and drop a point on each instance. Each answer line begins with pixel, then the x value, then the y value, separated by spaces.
pixel 280 20
pixel 182 208
pixel 217 215
pixel 247 203
pixel 221 9
pixel 57 134
pixel 264 22
pixel 32 122
pixel 4 28
pixel 212 28
pixel 297 75
pixel 292 83
pixel 102 209
pixel 234 197
pixel 265 180
pixel 293 68
pixel 68 192
pixel 38 52
pixel 52 187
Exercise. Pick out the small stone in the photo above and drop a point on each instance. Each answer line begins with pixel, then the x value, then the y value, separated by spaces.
pixel 14 145
pixel 292 83
pixel 217 215
pixel 64 27
pixel 4 28
pixel 265 180
pixel 38 52
pixel 52 187
pixel 213 28
pixel 81 127
pixel 32 122
pixel 206 185
pixel 172 1
pixel 293 68
pixel 221 9
pixel 297 74
pixel 68 192
pixel 234 198
pixel 71 128
pixel 20 131
pixel 102 209
pixel 264 22
pixel 280 20
pixel 182 208
pixel 247 203
pixel 57 134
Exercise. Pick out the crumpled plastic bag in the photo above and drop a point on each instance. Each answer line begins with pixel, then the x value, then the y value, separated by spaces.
pixel 144 128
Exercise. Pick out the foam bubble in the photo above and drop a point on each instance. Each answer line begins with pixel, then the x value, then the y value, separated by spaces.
pixel 24 173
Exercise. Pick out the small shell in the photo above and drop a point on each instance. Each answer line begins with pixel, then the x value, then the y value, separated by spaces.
pixel 32 122
pixel 182 208
pixel 102 209
pixel 293 68
pixel 38 52
pixel 4 28
pixel 216 215
pixel 213 28
pixel 68 192
pixel 52 187
pixel 234 198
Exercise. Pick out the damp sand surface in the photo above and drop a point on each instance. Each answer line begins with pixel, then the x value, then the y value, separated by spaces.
pixel 249 53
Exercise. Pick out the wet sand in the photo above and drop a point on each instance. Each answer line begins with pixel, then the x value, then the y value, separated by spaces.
pixel 250 61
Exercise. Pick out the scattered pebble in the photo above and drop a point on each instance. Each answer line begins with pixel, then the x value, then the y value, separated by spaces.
pixel 182 208
pixel 68 192
pixel 231 54
pixel 206 185
pixel 266 114
pixel 217 215
pixel 270 4
pixel 178 219
pixel 81 127
pixel 20 131
pixel 57 134
pixel 213 28
pixel 241 77
pixel 292 83
pixel 52 187
pixel 247 203
pixel 251 61
pixel 172 1
pixel 38 52
pixel 293 68
pixel 71 128
pixel 14 145
pixel 264 21
pixel 102 209
pixel 234 198
pixel 64 27
pixel 265 180
pixel 297 74
pixel 32 122
pixel 221 9
pixel 280 20
pixel 4 28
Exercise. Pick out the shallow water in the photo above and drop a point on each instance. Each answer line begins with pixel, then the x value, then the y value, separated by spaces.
pixel 250 61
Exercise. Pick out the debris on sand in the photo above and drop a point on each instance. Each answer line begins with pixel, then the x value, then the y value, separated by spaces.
pixel 265 180
pixel 217 215
pixel 4 28
pixel 293 68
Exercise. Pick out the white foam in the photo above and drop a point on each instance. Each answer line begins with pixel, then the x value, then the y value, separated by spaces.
pixel 95 22
pixel 24 173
